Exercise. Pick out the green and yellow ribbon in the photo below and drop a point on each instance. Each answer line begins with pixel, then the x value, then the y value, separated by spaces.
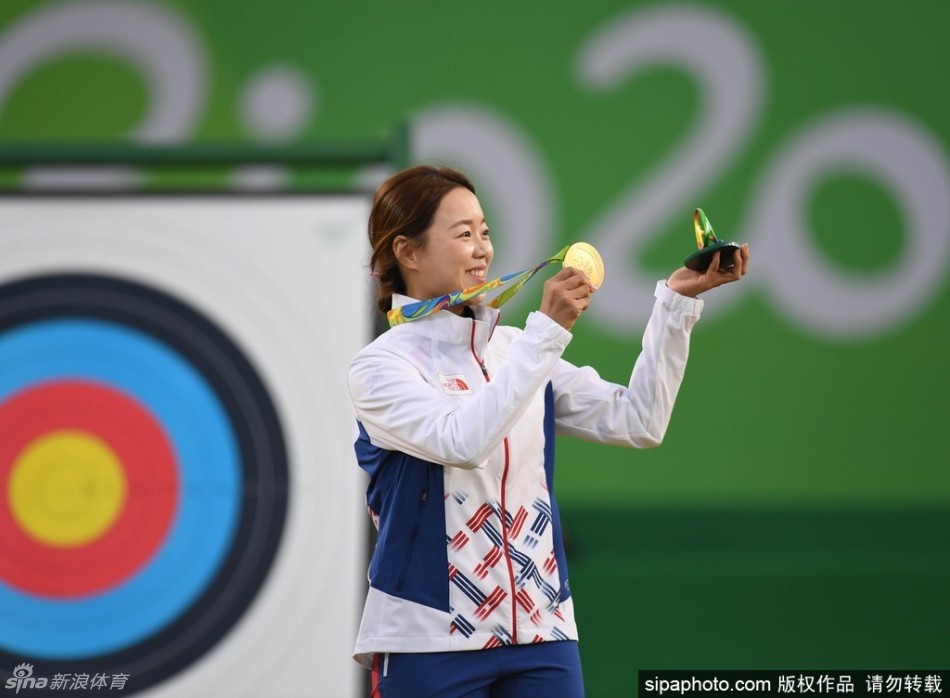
pixel 421 309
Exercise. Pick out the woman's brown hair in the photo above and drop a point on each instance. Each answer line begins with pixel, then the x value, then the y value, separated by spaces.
pixel 405 204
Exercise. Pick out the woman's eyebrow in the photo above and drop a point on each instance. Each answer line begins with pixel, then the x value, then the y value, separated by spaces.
pixel 465 221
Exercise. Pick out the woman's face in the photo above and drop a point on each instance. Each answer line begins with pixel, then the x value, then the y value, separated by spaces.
pixel 455 251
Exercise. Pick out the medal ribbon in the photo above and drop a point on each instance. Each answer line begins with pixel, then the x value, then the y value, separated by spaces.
pixel 421 309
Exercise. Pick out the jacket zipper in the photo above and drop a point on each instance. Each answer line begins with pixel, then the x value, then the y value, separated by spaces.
pixel 504 520
pixel 412 538
pixel 504 541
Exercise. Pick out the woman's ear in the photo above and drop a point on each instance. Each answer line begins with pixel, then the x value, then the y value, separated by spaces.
pixel 405 252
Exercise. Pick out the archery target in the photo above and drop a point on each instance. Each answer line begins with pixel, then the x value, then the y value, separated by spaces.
pixel 181 502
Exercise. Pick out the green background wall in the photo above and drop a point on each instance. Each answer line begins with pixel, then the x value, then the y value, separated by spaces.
pixel 797 513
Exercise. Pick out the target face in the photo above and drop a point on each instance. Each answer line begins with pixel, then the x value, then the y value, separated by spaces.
pixel 145 474
pixel 179 497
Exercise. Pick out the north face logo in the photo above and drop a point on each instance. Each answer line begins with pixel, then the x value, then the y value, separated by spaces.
pixel 455 385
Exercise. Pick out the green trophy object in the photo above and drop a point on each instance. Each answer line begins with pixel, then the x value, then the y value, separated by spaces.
pixel 708 245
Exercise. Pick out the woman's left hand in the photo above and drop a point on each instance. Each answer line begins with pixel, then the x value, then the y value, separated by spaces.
pixel 687 282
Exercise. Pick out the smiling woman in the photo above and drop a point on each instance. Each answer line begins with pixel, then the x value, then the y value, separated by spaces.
pixel 457 419
pixel 456 252
pixel 403 210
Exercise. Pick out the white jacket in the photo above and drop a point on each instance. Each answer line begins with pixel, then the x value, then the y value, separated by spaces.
pixel 457 418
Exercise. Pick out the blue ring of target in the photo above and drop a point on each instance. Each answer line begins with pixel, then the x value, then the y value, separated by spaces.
pixel 253 422
pixel 179 399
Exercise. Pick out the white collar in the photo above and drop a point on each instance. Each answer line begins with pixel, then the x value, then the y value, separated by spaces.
pixel 448 326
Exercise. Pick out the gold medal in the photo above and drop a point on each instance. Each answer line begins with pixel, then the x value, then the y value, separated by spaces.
pixel 582 256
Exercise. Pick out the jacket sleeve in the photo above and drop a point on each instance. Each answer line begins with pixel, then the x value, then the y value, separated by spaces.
pixel 401 411
pixel 591 408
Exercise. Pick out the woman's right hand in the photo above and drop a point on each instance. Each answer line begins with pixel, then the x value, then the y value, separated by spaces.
pixel 566 295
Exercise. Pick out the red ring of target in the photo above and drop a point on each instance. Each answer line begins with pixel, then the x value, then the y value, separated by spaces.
pixel 146 458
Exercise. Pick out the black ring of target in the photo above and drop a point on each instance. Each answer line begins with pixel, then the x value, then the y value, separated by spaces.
pixel 261 446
